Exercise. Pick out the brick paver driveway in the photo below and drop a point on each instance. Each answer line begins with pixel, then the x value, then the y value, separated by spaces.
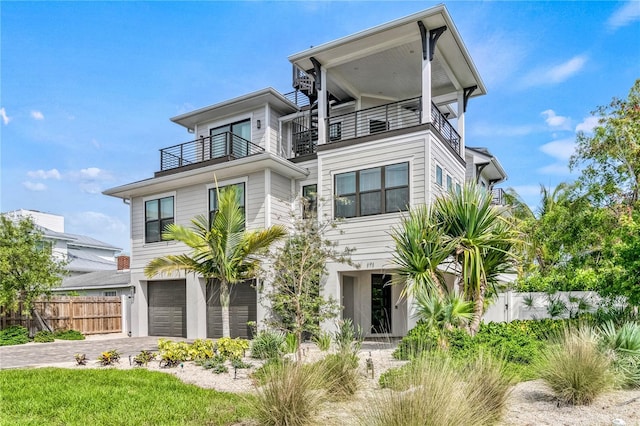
pixel 33 354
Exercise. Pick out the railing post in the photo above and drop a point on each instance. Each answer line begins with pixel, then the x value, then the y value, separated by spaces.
pixel 162 159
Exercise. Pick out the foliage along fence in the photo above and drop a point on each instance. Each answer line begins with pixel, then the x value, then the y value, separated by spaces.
pixel 86 314
pixel 511 305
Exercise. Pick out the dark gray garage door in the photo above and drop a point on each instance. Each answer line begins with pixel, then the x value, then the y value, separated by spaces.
pixel 242 308
pixel 167 308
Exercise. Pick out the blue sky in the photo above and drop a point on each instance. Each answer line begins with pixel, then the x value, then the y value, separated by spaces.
pixel 87 88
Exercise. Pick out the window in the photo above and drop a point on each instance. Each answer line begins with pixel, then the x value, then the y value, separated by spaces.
pixel 224 143
pixel 335 131
pixel 458 188
pixel 449 183
pixel 157 215
pixel 110 293
pixel 438 175
pixel 372 191
pixel 213 199
pixel 310 199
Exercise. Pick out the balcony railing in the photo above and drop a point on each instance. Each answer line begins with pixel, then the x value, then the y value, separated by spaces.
pixel 224 145
pixel 397 115
pixel 393 116
pixel 445 128
pixel 298 98
pixel 497 197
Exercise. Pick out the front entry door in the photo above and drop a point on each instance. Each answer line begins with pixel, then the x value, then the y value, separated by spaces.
pixel 380 303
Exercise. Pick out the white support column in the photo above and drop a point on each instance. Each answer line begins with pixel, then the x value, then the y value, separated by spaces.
pixel 196 307
pixel 322 108
pixel 426 86
pixel 461 114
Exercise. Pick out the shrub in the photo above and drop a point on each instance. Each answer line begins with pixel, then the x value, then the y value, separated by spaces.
pixel 269 369
pixel 43 336
pixel 14 335
pixel 172 353
pixel 232 348
pixel 340 374
pixel 240 364
pixel 291 343
pixel 81 359
pixel 143 358
pixel 69 335
pixel 267 344
pixel 109 357
pixel 575 369
pixel 429 392
pixel 348 338
pixel 322 340
pixel 201 349
pixel 215 364
pixel 623 344
pixel 291 395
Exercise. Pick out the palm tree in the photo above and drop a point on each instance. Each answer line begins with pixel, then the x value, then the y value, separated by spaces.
pixel 222 250
pixel 482 240
pixel 421 247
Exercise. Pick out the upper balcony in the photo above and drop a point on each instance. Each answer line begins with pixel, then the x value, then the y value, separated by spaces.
pixel 378 120
pixel 218 148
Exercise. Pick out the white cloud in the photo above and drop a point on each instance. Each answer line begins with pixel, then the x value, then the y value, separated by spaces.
pixel 44 174
pixel 37 115
pixel 556 73
pixel 497 56
pixel 94 173
pixel 625 15
pixel 90 188
pixel 588 124
pixel 561 149
pixel 557 121
pixel 5 118
pixel 34 186
pixel 561 169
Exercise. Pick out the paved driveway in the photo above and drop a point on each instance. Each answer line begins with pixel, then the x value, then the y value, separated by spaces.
pixel 33 354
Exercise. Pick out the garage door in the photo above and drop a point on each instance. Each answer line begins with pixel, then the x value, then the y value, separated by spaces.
pixel 167 308
pixel 242 309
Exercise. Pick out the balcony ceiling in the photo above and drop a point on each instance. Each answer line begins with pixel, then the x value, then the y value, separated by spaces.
pixel 386 61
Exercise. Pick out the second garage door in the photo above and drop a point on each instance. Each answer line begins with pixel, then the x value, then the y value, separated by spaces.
pixel 167 308
pixel 242 309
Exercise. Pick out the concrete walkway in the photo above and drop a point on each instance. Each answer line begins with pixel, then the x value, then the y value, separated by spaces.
pixel 35 354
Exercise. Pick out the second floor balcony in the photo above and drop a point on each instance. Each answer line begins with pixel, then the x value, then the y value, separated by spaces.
pixel 371 121
pixel 224 146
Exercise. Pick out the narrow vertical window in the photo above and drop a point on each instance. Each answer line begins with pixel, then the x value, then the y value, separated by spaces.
pixel 309 202
pixel 438 175
pixel 158 214
pixel 449 183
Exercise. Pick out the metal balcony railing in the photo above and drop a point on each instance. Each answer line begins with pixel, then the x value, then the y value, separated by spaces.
pixel 497 197
pixel 224 145
pixel 445 128
pixel 396 115
pixel 298 98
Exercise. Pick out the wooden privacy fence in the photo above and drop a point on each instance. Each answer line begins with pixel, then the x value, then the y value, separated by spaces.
pixel 87 314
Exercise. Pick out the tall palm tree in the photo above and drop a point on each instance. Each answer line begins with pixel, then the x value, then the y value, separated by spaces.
pixel 222 250
pixel 482 240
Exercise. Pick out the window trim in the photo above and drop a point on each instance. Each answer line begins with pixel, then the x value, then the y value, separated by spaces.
pixel 382 190
pixel 449 182
pixel 157 197
pixel 312 206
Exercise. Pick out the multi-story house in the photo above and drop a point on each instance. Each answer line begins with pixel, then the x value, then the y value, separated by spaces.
pixel 375 125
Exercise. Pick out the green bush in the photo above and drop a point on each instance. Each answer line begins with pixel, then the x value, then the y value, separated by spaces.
pixel 291 395
pixel 144 358
pixel 109 357
pixel 340 374
pixel 575 368
pixel 43 336
pixel 201 349
pixel 14 335
pixel 232 348
pixel 172 353
pixel 428 392
pixel 322 340
pixel 267 344
pixel 267 369
pixel 291 343
pixel 68 335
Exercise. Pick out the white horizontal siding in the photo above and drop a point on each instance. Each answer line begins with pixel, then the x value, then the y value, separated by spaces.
pixel 370 235
pixel 257 135
pixel 281 199
pixel 450 164
pixel 255 208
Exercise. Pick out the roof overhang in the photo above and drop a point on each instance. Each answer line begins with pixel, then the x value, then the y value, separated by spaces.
pixel 493 170
pixel 397 46
pixel 234 106
pixel 221 171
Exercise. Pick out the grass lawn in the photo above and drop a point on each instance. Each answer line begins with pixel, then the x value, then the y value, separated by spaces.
pixel 111 397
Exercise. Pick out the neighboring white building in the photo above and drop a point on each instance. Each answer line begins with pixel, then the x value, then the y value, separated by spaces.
pixel 83 254
pixel 375 125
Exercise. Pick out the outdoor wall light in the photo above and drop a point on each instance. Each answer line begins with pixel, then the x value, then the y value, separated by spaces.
pixel 258 124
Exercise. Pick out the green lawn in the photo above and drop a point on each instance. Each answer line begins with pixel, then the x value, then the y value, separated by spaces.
pixel 55 396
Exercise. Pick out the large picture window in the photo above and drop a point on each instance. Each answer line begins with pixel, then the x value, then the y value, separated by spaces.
pixel 372 191
pixel 213 199
pixel 224 141
pixel 157 215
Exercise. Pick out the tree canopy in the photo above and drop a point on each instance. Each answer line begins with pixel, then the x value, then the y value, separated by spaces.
pixel 27 268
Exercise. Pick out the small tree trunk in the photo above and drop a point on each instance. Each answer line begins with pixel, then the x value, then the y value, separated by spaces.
pixel 478 310
pixel 224 303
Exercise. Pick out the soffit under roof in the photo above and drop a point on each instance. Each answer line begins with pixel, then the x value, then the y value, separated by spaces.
pixel 389 57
